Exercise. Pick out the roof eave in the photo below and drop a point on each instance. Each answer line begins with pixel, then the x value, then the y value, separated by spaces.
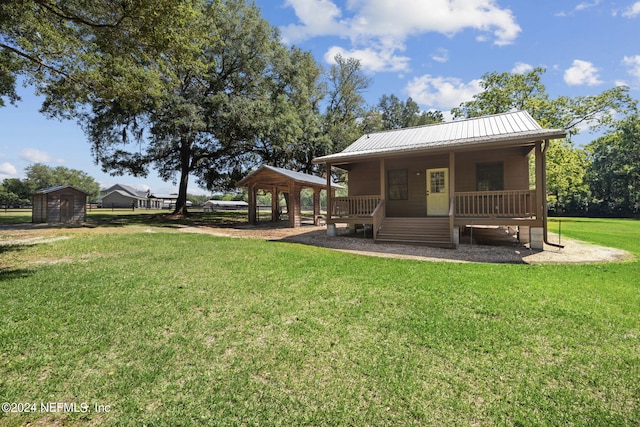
pixel 492 142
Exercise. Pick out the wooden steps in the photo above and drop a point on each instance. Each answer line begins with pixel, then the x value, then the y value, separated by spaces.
pixel 417 231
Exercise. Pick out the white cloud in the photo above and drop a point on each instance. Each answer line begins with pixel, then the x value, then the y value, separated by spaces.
pixel 521 68
pixel 377 28
pixel 442 92
pixel 371 60
pixel 35 156
pixel 7 170
pixel 633 62
pixel 585 5
pixel 582 73
pixel 317 17
pixel 632 11
pixel 441 55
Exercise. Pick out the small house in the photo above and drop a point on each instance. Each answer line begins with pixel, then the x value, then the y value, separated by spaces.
pixel 425 184
pixel 64 203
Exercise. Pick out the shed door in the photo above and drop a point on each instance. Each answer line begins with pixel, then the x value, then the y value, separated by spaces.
pixel 66 208
pixel 437 192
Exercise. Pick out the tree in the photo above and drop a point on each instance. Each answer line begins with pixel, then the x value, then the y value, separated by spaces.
pixel 92 58
pixel 614 170
pixel 41 176
pixel 346 105
pixel 504 92
pixel 291 135
pixel 91 48
pixel 18 188
pixel 397 115
pixel 566 167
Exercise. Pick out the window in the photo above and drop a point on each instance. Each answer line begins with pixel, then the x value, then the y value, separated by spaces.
pixel 398 185
pixel 490 176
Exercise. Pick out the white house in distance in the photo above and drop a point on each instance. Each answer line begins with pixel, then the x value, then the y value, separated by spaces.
pixel 125 196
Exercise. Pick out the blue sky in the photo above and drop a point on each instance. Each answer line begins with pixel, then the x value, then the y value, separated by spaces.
pixel 434 51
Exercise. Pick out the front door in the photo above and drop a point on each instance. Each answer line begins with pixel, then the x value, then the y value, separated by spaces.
pixel 438 192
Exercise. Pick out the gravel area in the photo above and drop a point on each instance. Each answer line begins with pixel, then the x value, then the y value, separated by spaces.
pixel 504 252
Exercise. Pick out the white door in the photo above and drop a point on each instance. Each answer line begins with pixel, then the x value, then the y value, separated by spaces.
pixel 438 192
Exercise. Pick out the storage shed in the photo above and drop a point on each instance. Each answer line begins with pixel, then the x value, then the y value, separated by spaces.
pixel 62 203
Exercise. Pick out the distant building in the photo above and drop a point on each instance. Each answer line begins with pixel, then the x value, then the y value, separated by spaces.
pixel 63 203
pixel 215 205
pixel 125 196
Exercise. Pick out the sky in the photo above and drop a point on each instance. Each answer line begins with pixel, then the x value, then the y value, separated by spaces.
pixel 434 51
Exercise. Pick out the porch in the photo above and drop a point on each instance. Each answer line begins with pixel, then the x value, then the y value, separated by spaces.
pixel 508 208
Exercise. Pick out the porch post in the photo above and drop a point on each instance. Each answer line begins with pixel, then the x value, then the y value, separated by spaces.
pixel 275 208
pixel 331 227
pixel 540 184
pixel 536 238
pixel 252 204
pixel 452 193
pixel 330 193
pixel 383 186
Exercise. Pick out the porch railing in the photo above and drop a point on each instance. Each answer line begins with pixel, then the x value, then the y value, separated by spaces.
pixel 354 206
pixel 496 204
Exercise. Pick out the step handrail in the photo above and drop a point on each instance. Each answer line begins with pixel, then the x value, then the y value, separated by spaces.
pixel 378 215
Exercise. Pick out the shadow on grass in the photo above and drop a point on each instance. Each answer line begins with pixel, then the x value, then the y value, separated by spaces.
pixel 7 274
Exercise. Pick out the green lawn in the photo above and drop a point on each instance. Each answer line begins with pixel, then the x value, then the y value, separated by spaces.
pixel 169 329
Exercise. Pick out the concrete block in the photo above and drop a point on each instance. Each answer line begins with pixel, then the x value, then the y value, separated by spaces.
pixel 331 230
pixel 536 238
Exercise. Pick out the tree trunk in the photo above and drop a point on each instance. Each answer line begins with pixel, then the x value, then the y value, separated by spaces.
pixel 185 160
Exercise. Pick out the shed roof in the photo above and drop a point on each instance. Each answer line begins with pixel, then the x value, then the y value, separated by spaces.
pixel 58 188
pixel 499 128
pixel 300 177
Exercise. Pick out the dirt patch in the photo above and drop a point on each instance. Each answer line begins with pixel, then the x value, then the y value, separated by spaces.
pixel 573 251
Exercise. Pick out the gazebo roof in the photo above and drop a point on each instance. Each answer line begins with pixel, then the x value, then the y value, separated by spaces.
pixel 270 176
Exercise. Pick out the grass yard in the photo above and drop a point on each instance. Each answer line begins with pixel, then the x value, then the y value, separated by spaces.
pixel 136 323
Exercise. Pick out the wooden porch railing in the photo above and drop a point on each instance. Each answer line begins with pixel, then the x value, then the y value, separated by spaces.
pixel 354 206
pixel 496 204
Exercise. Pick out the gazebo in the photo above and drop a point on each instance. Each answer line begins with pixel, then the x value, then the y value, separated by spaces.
pixel 277 180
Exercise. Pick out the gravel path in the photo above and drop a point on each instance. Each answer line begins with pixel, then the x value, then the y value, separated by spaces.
pixel 573 252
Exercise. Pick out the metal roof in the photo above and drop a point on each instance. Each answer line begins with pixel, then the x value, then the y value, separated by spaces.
pixel 296 176
pixel 58 188
pixel 124 194
pixel 507 127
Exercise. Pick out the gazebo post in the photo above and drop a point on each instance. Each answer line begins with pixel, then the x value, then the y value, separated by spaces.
pixel 316 205
pixel 275 208
pixel 294 205
pixel 253 218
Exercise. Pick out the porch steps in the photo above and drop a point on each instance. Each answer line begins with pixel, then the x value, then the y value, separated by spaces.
pixel 417 231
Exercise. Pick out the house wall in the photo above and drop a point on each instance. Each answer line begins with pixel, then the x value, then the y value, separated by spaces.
pixel 117 200
pixel 516 167
pixel 364 178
